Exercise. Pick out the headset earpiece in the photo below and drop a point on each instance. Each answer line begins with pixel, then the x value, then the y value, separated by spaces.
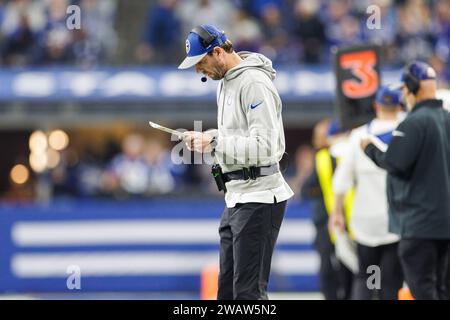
pixel 206 37
pixel 411 82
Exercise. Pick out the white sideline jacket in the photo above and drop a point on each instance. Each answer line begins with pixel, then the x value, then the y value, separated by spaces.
pixel 250 130
pixel 369 220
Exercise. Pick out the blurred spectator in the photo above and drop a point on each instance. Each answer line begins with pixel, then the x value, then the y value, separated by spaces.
pixel 388 23
pixel 78 175
pixel 55 41
pixel 15 10
pixel 342 27
pixel 161 168
pixel 385 36
pixel 89 170
pixel 335 279
pixel 304 164
pixel 2 11
pixel 442 71
pixel 20 20
pixel 16 47
pixel 351 33
pixel 128 173
pixel 333 14
pixel 2 17
pixel 414 39
pixel 441 28
pixel 245 32
pixel 141 169
pixel 64 178
pixel 276 46
pixel 257 7
pixel 162 36
pixel 197 12
pixel 442 16
pixel 96 41
pixel 310 30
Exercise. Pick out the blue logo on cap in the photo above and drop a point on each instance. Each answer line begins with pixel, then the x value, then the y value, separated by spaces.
pixel 188 46
pixel 195 49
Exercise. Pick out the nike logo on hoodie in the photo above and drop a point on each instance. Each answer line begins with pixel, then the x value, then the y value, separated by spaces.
pixel 253 106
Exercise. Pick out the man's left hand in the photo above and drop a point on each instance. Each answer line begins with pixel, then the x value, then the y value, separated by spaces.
pixel 198 141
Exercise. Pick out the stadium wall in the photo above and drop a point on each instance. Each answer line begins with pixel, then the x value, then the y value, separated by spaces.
pixel 148 245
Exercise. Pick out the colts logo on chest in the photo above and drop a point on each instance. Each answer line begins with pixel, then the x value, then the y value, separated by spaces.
pixel 228 100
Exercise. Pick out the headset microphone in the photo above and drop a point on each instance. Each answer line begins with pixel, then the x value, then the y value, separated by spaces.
pixel 204 79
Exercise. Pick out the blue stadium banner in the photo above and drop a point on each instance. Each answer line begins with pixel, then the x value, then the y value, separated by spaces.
pixel 147 246
pixel 152 84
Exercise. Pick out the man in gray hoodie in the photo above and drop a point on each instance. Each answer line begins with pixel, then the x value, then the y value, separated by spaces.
pixel 248 145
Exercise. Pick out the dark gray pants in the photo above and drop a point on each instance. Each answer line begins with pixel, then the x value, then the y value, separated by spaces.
pixel 248 233
pixel 386 258
pixel 425 265
pixel 335 278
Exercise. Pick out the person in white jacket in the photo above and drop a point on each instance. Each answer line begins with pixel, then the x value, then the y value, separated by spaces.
pixel 247 145
pixel 369 220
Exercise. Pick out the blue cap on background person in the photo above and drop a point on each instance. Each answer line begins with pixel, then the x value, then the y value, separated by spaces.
pixel 200 41
pixel 335 128
pixel 389 96
pixel 416 72
pixel 419 70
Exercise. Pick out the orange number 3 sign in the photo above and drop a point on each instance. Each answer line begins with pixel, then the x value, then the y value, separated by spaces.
pixel 362 65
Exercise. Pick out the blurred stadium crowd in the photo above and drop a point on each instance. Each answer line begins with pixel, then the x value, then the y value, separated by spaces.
pixel 133 167
pixel 140 166
pixel 33 32
pixel 304 31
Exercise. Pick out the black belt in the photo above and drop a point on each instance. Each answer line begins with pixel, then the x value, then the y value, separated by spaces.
pixel 251 173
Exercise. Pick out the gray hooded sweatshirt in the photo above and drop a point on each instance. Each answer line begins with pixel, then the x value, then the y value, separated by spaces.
pixel 250 130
